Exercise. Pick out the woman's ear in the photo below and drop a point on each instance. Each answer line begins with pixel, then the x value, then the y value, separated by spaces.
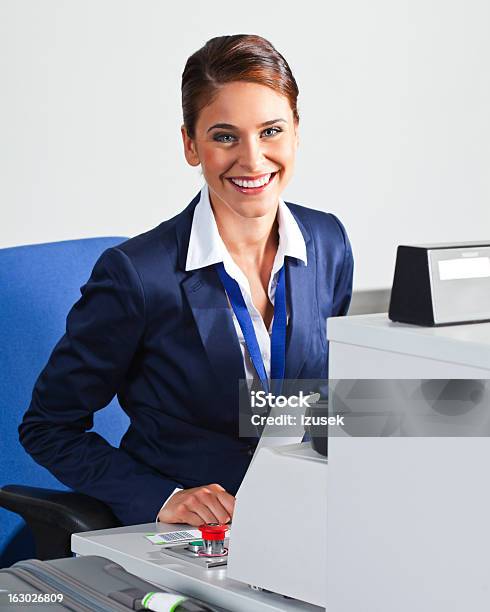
pixel 190 150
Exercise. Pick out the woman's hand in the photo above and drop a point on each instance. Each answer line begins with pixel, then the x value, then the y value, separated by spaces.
pixel 209 504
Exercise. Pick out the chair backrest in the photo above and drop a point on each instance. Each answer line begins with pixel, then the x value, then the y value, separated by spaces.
pixel 38 285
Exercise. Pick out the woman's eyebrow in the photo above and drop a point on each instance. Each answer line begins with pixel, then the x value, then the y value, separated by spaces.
pixel 228 126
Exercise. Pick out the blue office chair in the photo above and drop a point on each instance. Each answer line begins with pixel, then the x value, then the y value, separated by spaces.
pixel 38 285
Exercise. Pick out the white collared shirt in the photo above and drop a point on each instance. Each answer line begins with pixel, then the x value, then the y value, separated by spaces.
pixel 207 248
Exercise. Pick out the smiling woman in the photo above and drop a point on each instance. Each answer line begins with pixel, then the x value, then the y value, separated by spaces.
pixel 246 141
pixel 237 286
pixel 239 101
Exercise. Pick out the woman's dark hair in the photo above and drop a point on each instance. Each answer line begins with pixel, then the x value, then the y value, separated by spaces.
pixel 240 57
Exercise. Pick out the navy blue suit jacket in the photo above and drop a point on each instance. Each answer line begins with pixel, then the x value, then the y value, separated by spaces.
pixel 163 340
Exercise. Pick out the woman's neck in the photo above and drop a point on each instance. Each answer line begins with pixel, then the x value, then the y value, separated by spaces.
pixel 249 241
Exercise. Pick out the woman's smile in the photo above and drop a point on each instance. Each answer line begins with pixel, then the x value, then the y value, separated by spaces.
pixel 252 185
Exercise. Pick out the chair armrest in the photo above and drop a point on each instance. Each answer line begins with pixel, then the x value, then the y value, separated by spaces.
pixel 54 515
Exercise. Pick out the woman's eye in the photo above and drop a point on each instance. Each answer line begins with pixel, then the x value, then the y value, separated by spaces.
pixel 229 138
pixel 272 131
pixel 224 138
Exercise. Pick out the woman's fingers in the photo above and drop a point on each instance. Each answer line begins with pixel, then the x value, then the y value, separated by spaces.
pixel 226 500
pixel 194 504
pixel 211 500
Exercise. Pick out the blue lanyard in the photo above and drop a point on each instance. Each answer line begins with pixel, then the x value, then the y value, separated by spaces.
pixel 278 337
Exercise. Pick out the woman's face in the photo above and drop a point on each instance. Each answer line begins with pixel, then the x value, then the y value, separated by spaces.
pixel 247 133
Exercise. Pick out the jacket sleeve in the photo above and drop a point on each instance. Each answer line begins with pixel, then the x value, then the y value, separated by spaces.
pixel 343 285
pixel 85 370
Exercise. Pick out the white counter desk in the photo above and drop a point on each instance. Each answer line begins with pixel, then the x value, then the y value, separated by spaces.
pixel 408 517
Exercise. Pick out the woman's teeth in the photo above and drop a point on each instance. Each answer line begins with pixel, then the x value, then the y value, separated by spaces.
pixel 258 183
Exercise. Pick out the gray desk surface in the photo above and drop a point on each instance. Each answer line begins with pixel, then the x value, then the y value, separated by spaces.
pixel 467 344
pixel 128 547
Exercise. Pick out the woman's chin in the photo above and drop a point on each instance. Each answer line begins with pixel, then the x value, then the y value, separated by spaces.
pixel 254 210
pixel 246 205
pixel 252 206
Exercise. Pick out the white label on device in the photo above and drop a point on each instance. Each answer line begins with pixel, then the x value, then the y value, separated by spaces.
pixel 469 267
pixel 173 536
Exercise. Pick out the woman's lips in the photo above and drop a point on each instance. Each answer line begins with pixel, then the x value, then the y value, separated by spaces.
pixel 253 190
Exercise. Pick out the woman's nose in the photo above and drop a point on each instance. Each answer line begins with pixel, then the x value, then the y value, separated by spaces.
pixel 251 155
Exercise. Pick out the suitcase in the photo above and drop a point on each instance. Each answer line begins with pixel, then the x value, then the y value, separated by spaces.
pixel 84 584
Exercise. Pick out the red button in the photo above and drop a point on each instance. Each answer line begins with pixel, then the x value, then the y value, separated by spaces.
pixel 213 531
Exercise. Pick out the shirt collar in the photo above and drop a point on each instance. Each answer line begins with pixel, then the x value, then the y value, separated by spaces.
pixel 207 248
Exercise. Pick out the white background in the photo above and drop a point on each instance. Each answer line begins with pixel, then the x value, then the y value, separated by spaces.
pixel 394 104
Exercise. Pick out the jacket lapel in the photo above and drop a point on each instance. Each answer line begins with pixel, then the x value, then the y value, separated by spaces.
pixel 210 310
pixel 300 286
pixel 212 315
